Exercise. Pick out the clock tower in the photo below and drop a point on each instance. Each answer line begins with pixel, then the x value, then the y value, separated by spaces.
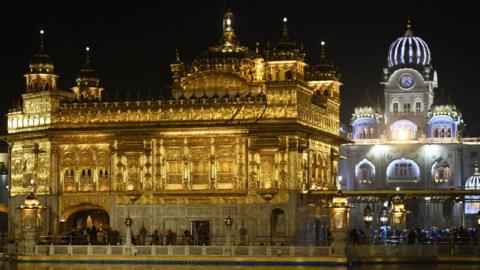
pixel 409 82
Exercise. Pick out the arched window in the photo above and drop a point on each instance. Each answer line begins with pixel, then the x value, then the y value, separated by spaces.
pixel 403 170
pixel 418 106
pixel 364 128
pixel 403 130
pixel 441 171
pixel 442 126
pixel 365 171
pixel 395 105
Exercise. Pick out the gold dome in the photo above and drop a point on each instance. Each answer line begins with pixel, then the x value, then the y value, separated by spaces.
pixel 227 68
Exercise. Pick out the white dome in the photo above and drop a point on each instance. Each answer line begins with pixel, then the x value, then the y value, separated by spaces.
pixel 408 50
pixel 474 181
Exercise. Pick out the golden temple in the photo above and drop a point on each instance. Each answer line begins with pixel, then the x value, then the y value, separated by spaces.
pixel 245 134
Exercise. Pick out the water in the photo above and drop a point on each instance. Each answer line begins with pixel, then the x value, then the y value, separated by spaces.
pixel 211 267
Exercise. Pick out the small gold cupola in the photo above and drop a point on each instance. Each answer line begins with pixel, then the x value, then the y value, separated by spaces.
pixel 41 75
pixel 88 83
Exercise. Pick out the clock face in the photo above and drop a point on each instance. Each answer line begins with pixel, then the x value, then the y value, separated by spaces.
pixel 406 81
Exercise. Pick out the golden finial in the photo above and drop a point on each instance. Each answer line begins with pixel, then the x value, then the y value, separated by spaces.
pixel 87 56
pixel 228 34
pixel 42 45
pixel 177 56
pixel 285 28
pixel 322 50
pixel 409 32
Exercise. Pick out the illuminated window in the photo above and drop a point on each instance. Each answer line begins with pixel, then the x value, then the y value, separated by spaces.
pixel 395 107
pixel 472 205
pixel 403 130
pixel 403 170
pixel 200 171
pixel 441 171
pixel 225 171
pixel 418 106
pixel 365 171
pixel 175 171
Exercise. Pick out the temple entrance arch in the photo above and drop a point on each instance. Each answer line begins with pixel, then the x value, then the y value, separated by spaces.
pixel 85 216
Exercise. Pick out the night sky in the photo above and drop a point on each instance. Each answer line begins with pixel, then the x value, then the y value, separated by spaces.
pixel 134 42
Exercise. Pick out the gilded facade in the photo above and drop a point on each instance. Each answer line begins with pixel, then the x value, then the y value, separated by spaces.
pixel 244 134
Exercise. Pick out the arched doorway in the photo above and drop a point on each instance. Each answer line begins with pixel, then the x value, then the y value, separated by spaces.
pixel 88 218
pixel 277 225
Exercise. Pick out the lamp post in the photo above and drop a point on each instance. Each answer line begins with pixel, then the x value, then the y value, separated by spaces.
pixel 128 235
pixel 228 236
pixel 384 216
pixel 398 213
pixel 383 220
pixel 367 220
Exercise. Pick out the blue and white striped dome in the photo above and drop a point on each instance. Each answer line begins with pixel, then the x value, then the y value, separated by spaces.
pixel 474 181
pixel 408 50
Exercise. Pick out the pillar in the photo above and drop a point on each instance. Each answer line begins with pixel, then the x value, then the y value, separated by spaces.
pixel 339 220
pixel 31 223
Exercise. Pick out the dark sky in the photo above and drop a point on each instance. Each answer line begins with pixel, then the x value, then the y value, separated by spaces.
pixel 133 42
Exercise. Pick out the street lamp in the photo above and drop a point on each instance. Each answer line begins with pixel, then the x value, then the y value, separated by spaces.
pixel 228 238
pixel 367 215
pixel 367 219
pixel 384 216
pixel 228 221
pixel 128 234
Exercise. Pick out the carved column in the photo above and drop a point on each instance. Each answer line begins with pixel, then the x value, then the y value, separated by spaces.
pixel 54 190
pixel 339 222
pixel 187 184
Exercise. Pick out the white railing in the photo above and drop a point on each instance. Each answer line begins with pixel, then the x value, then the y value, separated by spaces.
pixel 363 251
pixel 90 250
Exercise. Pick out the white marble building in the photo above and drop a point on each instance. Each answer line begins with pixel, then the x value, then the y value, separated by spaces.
pixel 414 141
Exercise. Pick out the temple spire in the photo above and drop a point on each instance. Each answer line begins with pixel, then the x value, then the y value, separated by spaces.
pixel 177 56
pixel 409 31
pixel 322 52
pixel 285 29
pixel 228 33
pixel 42 43
pixel 87 56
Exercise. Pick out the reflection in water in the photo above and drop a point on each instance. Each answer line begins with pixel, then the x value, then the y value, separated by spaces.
pixel 223 267
pixel 158 267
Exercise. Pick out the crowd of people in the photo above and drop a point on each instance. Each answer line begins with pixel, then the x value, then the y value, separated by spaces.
pixel 83 236
pixel 387 235
pixel 106 236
